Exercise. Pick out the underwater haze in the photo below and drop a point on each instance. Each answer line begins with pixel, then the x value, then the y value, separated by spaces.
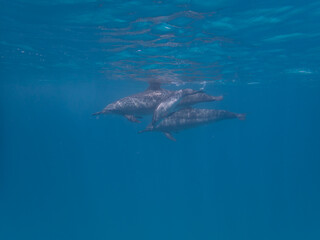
pixel 65 174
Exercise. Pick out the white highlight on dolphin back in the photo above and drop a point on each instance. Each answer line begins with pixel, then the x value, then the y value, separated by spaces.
pixel 164 107
pixel 168 105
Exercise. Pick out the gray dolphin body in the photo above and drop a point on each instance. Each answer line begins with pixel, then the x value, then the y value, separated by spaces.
pixel 146 102
pixel 191 117
pixel 169 104
pixel 197 98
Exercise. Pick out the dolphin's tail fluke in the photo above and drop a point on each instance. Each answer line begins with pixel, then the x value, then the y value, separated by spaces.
pixel 241 116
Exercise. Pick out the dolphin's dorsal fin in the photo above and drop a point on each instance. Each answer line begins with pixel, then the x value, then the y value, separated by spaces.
pixel 154 86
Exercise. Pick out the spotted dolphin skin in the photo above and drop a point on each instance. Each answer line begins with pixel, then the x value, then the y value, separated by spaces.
pixel 197 98
pixel 189 118
pixel 146 102
pixel 169 104
pixel 138 104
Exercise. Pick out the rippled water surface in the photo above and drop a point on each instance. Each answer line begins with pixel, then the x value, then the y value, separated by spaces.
pixel 67 175
pixel 181 41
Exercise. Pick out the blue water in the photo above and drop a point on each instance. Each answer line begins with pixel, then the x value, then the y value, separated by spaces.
pixel 67 175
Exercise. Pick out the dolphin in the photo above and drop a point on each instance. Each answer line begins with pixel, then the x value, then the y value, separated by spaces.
pixel 144 103
pixel 197 98
pixel 169 104
pixel 190 117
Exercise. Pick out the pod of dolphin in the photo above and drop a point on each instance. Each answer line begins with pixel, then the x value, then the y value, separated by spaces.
pixel 171 110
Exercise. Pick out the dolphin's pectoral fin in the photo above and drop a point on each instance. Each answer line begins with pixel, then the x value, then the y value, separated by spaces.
pixel 168 135
pixel 132 118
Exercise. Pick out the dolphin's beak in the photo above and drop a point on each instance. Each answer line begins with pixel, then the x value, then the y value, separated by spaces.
pixel 149 128
pixel 100 113
pixel 145 130
pixel 96 114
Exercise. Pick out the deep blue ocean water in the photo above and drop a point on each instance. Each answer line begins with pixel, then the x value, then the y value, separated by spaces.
pixel 67 175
